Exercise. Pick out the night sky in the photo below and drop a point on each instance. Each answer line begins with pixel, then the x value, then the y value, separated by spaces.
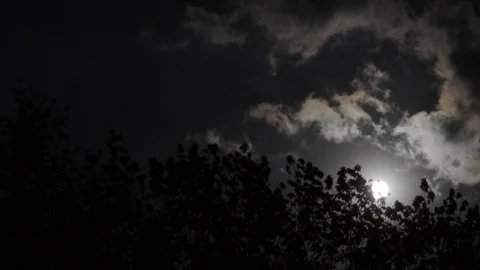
pixel 391 85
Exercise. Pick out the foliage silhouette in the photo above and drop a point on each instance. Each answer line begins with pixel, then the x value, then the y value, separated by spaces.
pixel 68 207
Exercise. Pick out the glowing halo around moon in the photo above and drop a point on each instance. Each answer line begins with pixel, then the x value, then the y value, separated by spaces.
pixel 380 189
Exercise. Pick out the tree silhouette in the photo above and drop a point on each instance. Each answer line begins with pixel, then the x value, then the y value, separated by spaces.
pixel 69 207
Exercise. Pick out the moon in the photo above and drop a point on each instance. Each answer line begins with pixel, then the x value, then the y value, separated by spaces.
pixel 380 189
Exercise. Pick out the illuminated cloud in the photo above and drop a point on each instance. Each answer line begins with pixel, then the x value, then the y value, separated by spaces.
pixel 457 160
pixel 275 116
pixel 337 120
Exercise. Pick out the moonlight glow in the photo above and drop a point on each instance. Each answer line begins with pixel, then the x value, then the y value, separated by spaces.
pixel 379 189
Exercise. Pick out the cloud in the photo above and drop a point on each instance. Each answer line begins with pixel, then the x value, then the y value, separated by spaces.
pixel 303 29
pixel 332 124
pixel 463 26
pixel 342 120
pixel 214 28
pixel 360 97
pixel 272 63
pixel 422 138
pixel 369 79
pixel 337 120
pixel 457 160
pixel 388 20
pixel 445 31
pixel 179 45
pixel 439 36
pixel 213 136
pixel 275 116
pixel 472 123
pixel 335 124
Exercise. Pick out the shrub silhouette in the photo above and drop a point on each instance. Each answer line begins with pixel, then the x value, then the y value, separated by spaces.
pixel 69 207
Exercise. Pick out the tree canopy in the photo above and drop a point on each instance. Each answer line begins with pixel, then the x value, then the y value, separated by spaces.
pixel 64 206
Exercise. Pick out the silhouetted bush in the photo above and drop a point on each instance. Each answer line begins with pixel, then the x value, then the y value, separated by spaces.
pixel 68 207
